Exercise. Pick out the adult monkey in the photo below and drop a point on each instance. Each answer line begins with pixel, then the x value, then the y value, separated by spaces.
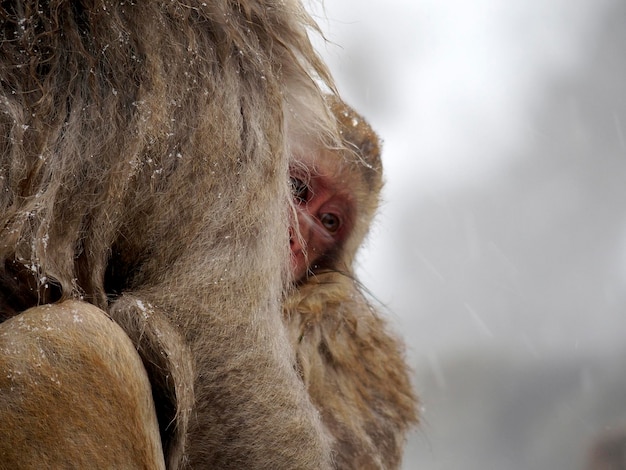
pixel 144 171
pixel 353 367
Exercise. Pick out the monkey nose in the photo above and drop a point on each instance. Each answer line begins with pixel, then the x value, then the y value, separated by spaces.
pixel 294 241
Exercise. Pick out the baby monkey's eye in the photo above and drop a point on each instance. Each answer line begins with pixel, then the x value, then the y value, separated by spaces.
pixel 330 222
pixel 299 190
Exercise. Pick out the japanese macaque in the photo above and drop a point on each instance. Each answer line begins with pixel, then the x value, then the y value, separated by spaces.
pixel 143 179
pixel 352 366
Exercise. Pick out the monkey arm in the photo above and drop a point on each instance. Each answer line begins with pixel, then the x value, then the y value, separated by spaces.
pixel 169 365
pixel 233 395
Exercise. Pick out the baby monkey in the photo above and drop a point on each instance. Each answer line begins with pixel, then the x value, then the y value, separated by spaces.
pixel 353 367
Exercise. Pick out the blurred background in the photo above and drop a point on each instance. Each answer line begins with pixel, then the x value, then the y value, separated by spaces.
pixel 500 251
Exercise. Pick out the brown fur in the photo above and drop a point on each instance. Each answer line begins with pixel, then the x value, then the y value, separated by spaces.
pixel 143 168
pixel 353 368
pixel 82 370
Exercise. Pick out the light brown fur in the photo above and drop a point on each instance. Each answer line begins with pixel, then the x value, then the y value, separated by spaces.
pixel 143 169
pixel 352 366
pixel 59 355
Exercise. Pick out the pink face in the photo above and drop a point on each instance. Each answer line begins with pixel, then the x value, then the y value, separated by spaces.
pixel 323 222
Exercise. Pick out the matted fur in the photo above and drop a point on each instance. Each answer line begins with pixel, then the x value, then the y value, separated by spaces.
pixel 352 365
pixel 143 168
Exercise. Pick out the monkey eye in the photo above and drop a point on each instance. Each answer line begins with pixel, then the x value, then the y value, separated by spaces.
pixel 299 190
pixel 330 222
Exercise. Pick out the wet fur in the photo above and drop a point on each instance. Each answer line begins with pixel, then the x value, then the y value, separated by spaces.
pixel 143 169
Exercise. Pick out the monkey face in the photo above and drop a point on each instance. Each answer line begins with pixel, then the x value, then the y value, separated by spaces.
pixel 324 213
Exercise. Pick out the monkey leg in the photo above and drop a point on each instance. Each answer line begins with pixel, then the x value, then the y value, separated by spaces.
pixel 74 393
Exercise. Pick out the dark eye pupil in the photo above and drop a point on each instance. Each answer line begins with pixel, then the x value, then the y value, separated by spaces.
pixel 330 222
pixel 299 190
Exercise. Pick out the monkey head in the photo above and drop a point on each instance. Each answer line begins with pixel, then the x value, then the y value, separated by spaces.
pixel 336 190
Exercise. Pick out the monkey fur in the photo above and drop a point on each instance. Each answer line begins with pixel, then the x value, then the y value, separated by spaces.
pixel 352 365
pixel 144 171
